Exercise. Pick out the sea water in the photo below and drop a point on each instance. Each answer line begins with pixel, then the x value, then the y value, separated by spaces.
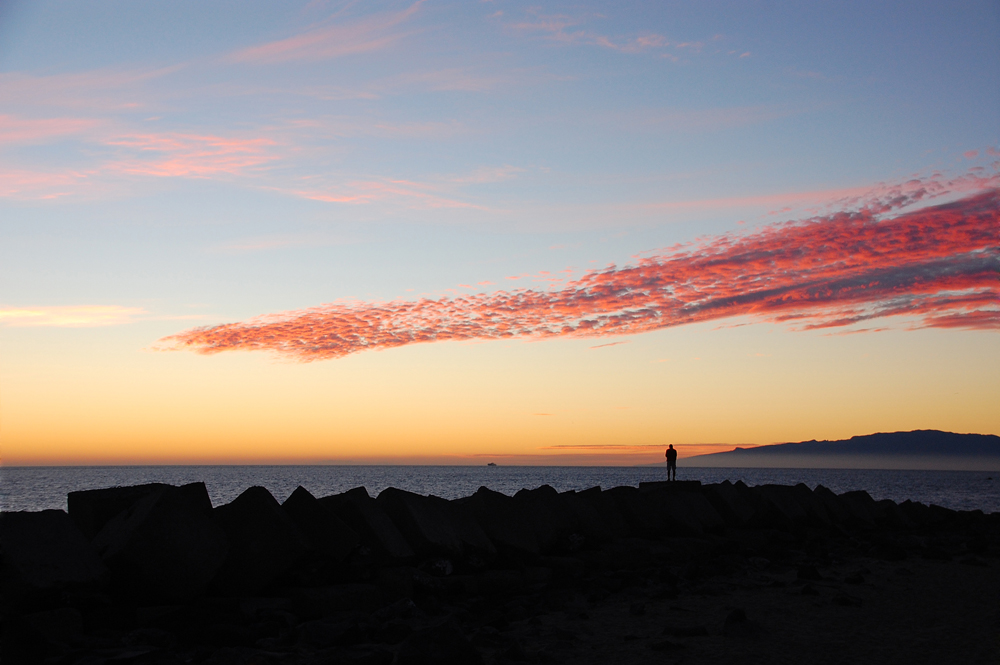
pixel 40 488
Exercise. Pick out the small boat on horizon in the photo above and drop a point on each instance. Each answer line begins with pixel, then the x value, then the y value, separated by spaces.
pixel 491 464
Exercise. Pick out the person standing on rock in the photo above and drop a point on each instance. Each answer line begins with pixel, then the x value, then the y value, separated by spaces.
pixel 671 462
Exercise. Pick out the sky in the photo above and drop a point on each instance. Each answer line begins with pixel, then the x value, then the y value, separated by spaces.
pixel 459 233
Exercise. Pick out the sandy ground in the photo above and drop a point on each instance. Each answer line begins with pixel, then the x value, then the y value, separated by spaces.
pixel 862 611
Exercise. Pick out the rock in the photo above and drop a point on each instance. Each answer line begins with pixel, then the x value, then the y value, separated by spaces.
pixel 808 573
pixel 329 535
pixel 337 598
pixel 364 515
pixel 502 520
pixel 440 645
pixel 43 553
pixel 327 633
pixel 835 510
pixel 592 523
pixel 939 516
pixel 686 631
pixel 475 542
pixel 92 509
pixel 738 625
pixel 642 518
pixel 671 485
pixel 815 508
pixel 545 513
pixel 686 512
pixel 916 512
pixel 62 624
pixel 425 526
pixel 263 542
pixel 392 632
pixel 845 600
pixel 888 551
pixel 861 507
pixel 604 511
pixel 164 546
pixel 783 502
pixel 892 516
pixel 731 505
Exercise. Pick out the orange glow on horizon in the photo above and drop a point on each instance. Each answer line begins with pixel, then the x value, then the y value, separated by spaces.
pixel 573 456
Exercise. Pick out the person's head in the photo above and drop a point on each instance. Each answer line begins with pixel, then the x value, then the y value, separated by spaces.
pixel 671 446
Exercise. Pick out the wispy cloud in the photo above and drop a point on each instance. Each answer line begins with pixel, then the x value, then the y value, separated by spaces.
pixel 937 266
pixel 14 129
pixel 72 316
pixel 191 155
pixel 359 192
pixel 601 346
pixel 568 30
pixel 100 90
pixel 46 185
pixel 150 155
pixel 882 196
pixel 333 41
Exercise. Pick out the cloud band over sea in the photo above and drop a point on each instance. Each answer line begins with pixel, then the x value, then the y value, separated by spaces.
pixel 939 267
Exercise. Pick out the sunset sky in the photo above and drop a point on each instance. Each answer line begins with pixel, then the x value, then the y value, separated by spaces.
pixel 462 232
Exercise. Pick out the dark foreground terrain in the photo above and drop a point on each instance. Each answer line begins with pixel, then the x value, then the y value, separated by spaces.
pixel 663 573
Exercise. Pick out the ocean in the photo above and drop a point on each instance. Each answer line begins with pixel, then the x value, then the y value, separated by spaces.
pixel 40 488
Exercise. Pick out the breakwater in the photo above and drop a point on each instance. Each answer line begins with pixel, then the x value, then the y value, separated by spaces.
pixel 154 573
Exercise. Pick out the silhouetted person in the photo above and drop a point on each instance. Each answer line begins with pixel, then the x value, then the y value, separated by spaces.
pixel 671 462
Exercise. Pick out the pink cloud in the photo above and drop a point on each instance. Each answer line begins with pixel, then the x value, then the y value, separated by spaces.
pixel 562 28
pixel 190 155
pixel 74 316
pixel 25 184
pixel 163 155
pixel 881 197
pixel 936 266
pixel 38 130
pixel 360 192
pixel 103 90
pixel 330 42
pixel 971 154
pixel 601 346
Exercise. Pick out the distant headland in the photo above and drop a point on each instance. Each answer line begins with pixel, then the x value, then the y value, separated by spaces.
pixel 918 449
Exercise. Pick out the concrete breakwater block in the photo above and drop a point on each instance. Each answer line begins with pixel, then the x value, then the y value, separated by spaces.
pixel 546 514
pixel 43 552
pixel 686 512
pixel 594 523
pixel 263 542
pixel 165 545
pixel 502 521
pixel 475 542
pixel 731 503
pixel 92 509
pixel 363 514
pixel 168 544
pixel 426 527
pixel 329 535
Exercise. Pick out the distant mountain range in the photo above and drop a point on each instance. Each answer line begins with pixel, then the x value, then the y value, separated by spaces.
pixel 919 449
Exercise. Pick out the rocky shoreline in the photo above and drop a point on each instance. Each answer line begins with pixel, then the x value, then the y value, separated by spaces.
pixel 666 572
